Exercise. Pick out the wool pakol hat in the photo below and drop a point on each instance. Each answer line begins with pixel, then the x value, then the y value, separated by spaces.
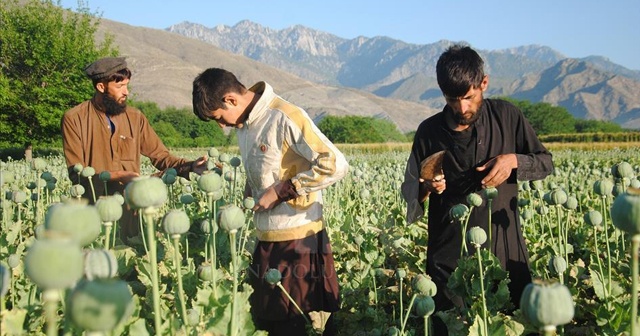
pixel 105 67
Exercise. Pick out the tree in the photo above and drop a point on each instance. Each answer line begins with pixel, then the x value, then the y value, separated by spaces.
pixel 355 129
pixel 43 52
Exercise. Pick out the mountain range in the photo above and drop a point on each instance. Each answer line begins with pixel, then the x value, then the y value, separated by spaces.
pixel 379 76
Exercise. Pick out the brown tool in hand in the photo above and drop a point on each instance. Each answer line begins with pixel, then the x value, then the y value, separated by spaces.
pixel 431 167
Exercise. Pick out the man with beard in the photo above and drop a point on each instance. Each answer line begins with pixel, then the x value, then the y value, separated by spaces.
pixel 107 135
pixel 487 143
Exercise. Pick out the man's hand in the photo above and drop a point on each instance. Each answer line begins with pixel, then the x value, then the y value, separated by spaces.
pixel 199 166
pixel 426 187
pixel 123 177
pixel 500 168
pixel 268 200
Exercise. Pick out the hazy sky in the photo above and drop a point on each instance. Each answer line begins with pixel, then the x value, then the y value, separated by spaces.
pixel 575 28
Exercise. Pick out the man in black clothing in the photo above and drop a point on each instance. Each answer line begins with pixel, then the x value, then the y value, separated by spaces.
pixel 488 143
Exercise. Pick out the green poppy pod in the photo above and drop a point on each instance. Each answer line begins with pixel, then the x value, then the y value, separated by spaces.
pixel 593 218
pixel 248 203
pixel 557 197
pixel 622 170
pixel 193 317
pixel 235 161
pixel 146 192
pixel 205 271
pixel 109 209
pixel 78 167
pixel 401 273
pixel 77 219
pixel 458 211
pixel 490 193
pixel 118 197
pixel 104 176
pixel 229 176
pixel 13 261
pixel 423 284
pixel 100 264
pixel 169 179
pixel 47 176
pixel 634 183
pixel 213 152
pixel 557 264
pixel 54 262
pixel 224 158
pixel 171 171
pixel 176 222
pixel 425 306
pixel 88 171
pixel 273 276
pixel 603 187
pixel 571 203
pixel 38 164
pixel 365 194
pixel 18 196
pixel 187 199
pixel 542 210
pixel 537 185
pixel 77 190
pixel 394 331
pixel 522 202
pixel 618 189
pixel 476 236
pixel 474 200
pixel 204 226
pixel 547 304
pixel 527 214
pixel 4 281
pixel 100 305
pixel 625 211
pixel 216 195
pixel 210 182
pixel 231 217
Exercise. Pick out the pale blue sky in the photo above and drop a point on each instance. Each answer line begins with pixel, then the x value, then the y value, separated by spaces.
pixel 575 28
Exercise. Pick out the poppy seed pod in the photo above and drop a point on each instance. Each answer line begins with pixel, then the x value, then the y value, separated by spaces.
pixel 78 220
pixel 571 203
pixel 100 305
pixel 603 187
pixel 18 196
pixel 231 217
pixel 88 171
pixel 490 193
pixel 622 170
pixel 109 208
pixel 248 203
pixel 38 164
pixel 54 262
pixel 224 158
pixel 423 284
pixel 474 200
pixel 6 177
pixel 77 190
pixel 100 264
pixel 210 182
pixel 146 192
pixel 187 199
pixel 235 161
pixel 205 271
pixel 13 261
pixel 593 217
pixel 547 304
pixel 557 197
pixel 213 152
pixel 273 276
pixel 425 306
pixel 401 273
pixel 47 176
pixel 625 211
pixel 193 317
pixel 105 176
pixel 169 179
pixel 176 222
pixel 476 236
pixel 557 264
pixel 458 211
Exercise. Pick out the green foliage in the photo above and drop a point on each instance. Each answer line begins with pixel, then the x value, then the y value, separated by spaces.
pixel 355 129
pixel 43 51
pixel 181 128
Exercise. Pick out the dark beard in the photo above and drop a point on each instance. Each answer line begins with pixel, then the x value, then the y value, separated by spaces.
pixel 112 107
pixel 460 120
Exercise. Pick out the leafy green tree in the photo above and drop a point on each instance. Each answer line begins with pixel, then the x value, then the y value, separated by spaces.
pixel 356 129
pixel 43 51
pixel 546 118
pixel 593 126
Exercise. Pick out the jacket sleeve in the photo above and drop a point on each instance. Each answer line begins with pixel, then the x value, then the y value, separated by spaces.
pixel 72 144
pixel 410 190
pixel 535 162
pixel 327 164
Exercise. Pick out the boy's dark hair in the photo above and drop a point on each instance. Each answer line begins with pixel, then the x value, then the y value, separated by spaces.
pixel 209 89
pixel 459 69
